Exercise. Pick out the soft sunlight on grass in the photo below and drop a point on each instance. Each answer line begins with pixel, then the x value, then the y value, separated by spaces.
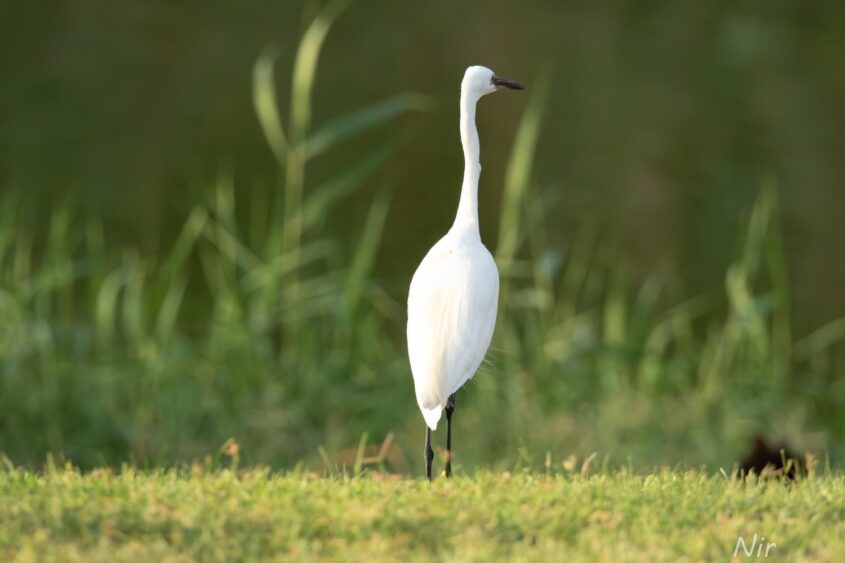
pixel 220 515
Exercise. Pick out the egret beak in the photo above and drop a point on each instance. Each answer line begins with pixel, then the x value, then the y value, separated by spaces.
pixel 505 83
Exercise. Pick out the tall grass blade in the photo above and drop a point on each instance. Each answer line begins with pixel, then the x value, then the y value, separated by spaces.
pixel 366 253
pixel 518 172
pixel 265 103
pixel 168 313
pixel 821 339
pixel 363 120
pixel 305 68
pixel 778 275
pixel 105 310
pixel 324 196
pixel 133 302
pixel 359 455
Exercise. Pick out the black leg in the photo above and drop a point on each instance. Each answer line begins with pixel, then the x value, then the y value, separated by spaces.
pixel 429 453
pixel 450 408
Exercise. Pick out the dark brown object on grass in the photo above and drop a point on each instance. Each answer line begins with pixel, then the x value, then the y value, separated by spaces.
pixel 765 459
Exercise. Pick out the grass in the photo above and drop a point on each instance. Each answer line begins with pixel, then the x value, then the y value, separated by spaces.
pixel 259 321
pixel 223 515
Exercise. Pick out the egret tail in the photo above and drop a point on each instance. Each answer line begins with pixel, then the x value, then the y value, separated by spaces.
pixel 432 416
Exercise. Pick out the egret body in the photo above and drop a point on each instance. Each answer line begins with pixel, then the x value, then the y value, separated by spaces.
pixel 454 293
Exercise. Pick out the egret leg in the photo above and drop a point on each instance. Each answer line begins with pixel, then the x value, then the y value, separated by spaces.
pixel 428 453
pixel 450 408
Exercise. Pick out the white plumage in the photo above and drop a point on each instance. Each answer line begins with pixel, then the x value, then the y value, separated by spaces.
pixel 454 293
pixel 451 315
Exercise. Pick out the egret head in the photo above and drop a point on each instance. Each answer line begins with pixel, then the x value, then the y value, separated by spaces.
pixel 479 81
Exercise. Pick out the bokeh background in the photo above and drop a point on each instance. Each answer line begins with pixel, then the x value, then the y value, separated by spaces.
pixel 669 229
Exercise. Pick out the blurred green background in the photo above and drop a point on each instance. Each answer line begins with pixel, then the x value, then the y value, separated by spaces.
pixel 675 284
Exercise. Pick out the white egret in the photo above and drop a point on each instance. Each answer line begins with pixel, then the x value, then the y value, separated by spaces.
pixel 454 292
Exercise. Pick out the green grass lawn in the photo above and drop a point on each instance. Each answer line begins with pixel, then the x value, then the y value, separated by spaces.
pixel 132 515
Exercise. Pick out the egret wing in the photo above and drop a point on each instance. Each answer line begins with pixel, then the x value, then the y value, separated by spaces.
pixel 451 315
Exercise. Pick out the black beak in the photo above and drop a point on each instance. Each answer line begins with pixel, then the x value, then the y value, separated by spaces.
pixel 505 83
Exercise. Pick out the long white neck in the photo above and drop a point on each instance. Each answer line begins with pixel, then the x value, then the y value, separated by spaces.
pixel 467 216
